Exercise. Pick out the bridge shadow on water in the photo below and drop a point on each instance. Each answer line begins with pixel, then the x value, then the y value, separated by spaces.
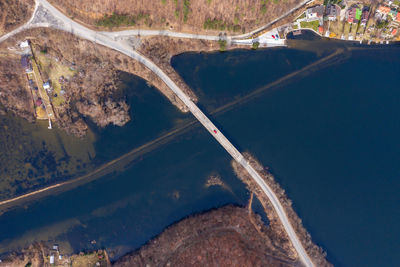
pixel 128 159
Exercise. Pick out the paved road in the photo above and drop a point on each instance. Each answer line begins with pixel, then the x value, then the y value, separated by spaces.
pixel 48 16
pixel 263 39
pixel 206 37
pixel 249 34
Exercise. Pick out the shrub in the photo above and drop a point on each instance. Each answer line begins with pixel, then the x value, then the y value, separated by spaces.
pixel 186 9
pixel 222 45
pixel 116 20
pixel 255 45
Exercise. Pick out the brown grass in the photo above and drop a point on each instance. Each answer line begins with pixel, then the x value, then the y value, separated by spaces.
pixel 246 15
pixel 14 13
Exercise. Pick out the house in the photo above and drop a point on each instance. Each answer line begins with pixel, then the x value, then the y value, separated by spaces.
pixel 46 86
pixel 38 102
pixel 364 15
pixel 383 10
pixel 52 259
pixel 24 44
pixel 351 14
pixel 354 14
pixel 26 64
pixel 393 13
pixel 332 11
pixel 389 2
pixel 315 13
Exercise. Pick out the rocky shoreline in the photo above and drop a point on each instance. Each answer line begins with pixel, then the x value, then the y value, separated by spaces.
pixel 316 253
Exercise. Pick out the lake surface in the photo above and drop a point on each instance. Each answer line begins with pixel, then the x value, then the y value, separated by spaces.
pixel 329 134
pixel 332 141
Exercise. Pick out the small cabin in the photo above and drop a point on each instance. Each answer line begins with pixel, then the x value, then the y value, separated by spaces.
pixel 46 86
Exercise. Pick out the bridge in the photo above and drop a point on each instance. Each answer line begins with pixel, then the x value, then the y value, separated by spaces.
pixel 46 15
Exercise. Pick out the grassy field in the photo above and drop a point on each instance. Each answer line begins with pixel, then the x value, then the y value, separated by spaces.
pixel 336 27
pixel 42 92
pixel 346 29
pixel 54 70
pixel 354 30
pixel 310 25
pixel 302 16
pixel 88 260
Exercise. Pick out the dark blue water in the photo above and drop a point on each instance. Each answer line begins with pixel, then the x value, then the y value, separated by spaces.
pixel 126 208
pixel 332 140
pixel 151 116
pixel 330 136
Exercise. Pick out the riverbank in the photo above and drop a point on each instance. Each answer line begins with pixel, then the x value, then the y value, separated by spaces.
pixel 40 254
pixel 229 236
pixel 117 163
pixel 317 255
pixel 101 101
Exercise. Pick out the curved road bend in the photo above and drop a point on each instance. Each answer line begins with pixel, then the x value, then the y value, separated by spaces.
pixel 21 28
pixel 106 39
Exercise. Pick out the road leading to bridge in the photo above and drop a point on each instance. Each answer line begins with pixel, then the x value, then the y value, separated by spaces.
pixel 48 16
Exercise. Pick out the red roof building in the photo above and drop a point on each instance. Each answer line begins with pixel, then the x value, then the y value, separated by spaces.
pixel 384 9
pixel 351 14
pixel 394 32
pixel 398 17
pixel 321 29
pixel 38 102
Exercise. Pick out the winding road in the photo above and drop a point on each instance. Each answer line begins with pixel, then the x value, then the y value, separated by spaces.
pixel 46 15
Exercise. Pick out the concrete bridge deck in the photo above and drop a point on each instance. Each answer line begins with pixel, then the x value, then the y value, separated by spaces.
pixel 48 16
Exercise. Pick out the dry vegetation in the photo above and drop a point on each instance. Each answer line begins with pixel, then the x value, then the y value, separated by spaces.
pixel 14 13
pixel 12 75
pixel 38 255
pixel 229 236
pixel 93 89
pixel 235 16
pixel 316 254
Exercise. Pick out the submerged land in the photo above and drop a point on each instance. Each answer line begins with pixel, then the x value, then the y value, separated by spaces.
pixel 205 239
pixel 234 236
pixel 56 76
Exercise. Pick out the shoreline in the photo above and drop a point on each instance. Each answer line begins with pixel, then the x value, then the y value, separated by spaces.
pixel 97 173
pixel 315 252
pixel 5 204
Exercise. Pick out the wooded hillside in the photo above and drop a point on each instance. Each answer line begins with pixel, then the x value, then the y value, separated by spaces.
pixel 236 16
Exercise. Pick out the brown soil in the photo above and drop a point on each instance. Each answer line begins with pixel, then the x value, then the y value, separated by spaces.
pixel 222 237
pixel 317 255
pixel 238 16
pixel 14 13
